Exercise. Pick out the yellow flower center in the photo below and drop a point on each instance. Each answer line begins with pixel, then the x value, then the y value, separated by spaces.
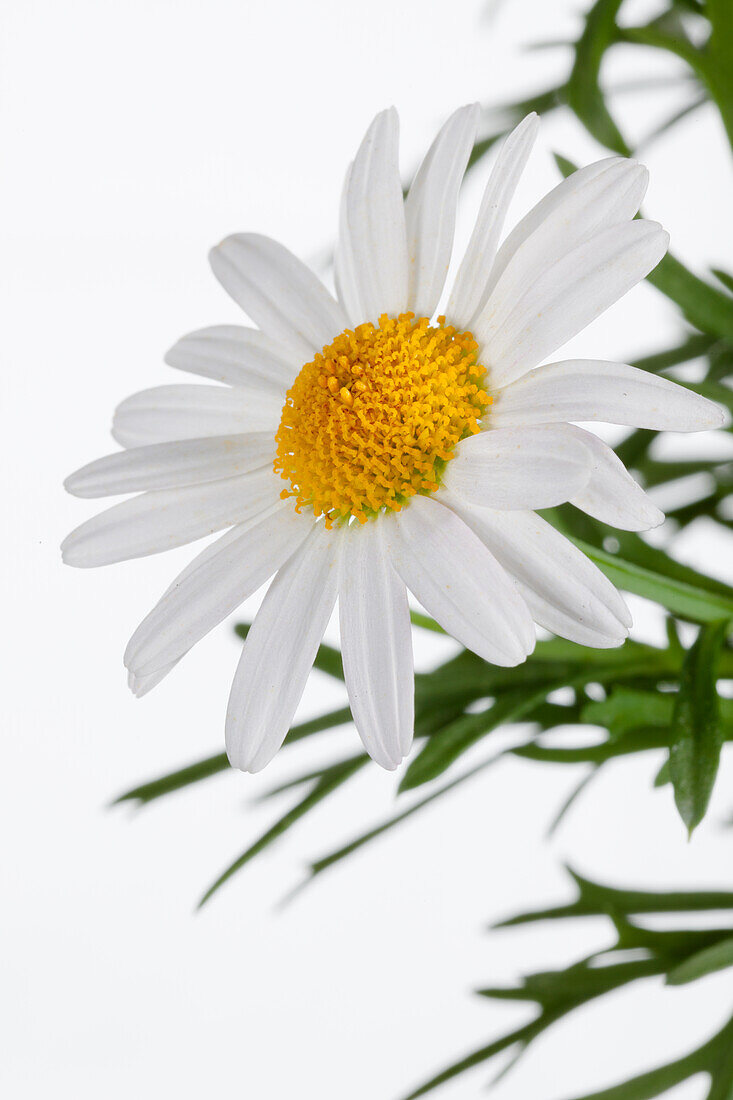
pixel 373 419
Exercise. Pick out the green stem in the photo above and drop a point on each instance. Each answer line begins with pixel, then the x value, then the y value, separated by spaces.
pixel 719 60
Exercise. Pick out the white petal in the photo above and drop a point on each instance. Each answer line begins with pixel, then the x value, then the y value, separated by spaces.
pixel 213 586
pixel 375 220
pixel 279 651
pixel 430 209
pixel 346 275
pixel 548 615
pixel 281 295
pixel 611 495
pixel 153 522
pixel 613 393
pixel 237 356
pixel 376 645
pixel 459 582
pixel 608 198
pixel 566 297
pixel 558 197
pixel 141 685
pixel 534 467
pixel 565 592
pixel 166 413
pixel 474 279
pixel 172 465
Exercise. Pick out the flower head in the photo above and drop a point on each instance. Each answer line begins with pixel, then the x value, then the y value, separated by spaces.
pixel 363 445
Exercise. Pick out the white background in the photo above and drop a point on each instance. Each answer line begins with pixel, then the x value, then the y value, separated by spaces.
pixel 134 136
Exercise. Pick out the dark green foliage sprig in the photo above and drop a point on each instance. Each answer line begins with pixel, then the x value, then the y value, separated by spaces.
pixel 679 956
pixel 635 717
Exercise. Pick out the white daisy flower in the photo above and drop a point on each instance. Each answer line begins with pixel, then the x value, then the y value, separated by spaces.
pixel 362 445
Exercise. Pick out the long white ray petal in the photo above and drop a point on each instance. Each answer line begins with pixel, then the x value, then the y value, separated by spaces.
pixel 167 413
pixel 279 651
pixel 153 522
pixel 376 644
pixel 609 198
pixel 566 297
pixel 611 494
pixel 237 356
pixel 281 295
pixel 548 615
pixel 141 684
pixel 534 467
pixel 346 274
pixel 564 590
pixel 430 209
pixel 542 210
pixel 459 582
pixel 375 220
pixel 172 465
pixel 214 586
pixel 611 393
pixel 474 279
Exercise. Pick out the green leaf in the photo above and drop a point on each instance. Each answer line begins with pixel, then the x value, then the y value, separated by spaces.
pixel 703 305
pixel 670 122
pixel 447 744
pixel 467 677
pixel 656 472
pixel 713 64
pixel 717 957
pixel 697 736
pixel 713 1057
pixel 571 799
pixel 584 93
pixel 574 985
pixel 595 899
pixel 424 621
pixel 634 549
pixel 567 167
pixel 632 450
pixel 558 992
pixel 692 348
pixel 662 778
pixel 669 945
pixel 668 35
pixel 688 601
pixel 653 1083
pixel 320 865
pixel 522 1036
pixel 174 781
pixel 720 358
pixel 330 779
pixel 212 765
pixel 522 690
pixel 723 277
pixel 542 669
pixel 626 710
pixel 639 740
pixel 667 952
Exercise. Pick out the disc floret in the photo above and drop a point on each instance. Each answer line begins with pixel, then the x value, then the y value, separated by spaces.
pixel 374 417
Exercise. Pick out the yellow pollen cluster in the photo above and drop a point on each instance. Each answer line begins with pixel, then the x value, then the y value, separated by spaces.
pixel 373 419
